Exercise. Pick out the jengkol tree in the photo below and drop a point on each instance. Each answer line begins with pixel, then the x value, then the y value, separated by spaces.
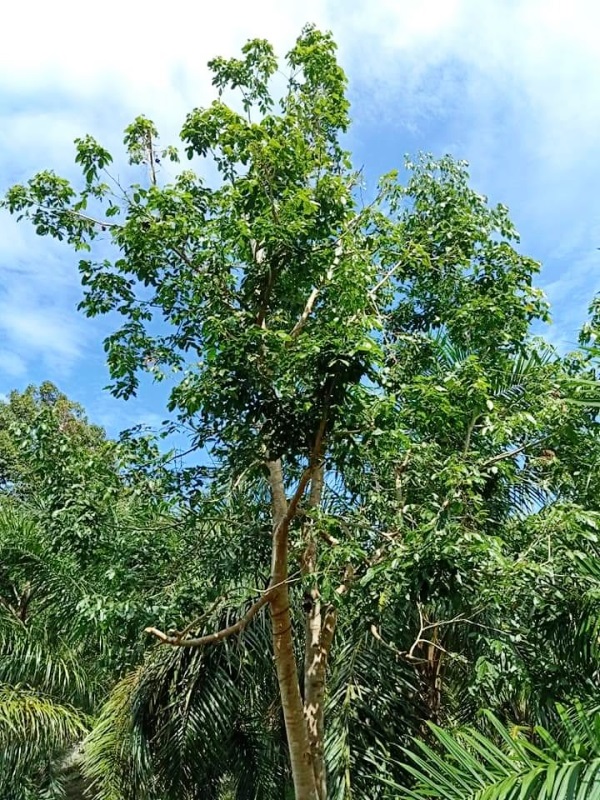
pixel 287 312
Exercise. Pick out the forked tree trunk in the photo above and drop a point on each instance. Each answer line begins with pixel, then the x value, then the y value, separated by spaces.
pixel 283 646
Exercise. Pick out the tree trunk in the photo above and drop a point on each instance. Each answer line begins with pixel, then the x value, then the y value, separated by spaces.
pixel 319 629
pixel 320 625
pixel 283 646
pixel 77 787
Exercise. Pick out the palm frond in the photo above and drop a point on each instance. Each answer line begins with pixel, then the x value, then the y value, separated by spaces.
pixel 34 731
pixel 188 720
pixel 114 757
pixel 52 668
pixel 509 764
pixel 370 712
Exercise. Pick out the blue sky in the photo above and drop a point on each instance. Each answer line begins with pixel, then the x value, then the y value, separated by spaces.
pixel 513 86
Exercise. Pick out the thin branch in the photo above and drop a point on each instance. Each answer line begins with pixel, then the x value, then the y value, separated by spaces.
pixel 312 298
pixel 417 641
pixel 470 430
pixel 258 256
pixel 425 625
pixel 400 470
pixel 105 224
pixel 151 160
pixel 179 252
pixel 386 277
pixel 93 220
pixel 195 624
pixel 397 265
pixel 511 453
pixel 405 653
pixel 179 455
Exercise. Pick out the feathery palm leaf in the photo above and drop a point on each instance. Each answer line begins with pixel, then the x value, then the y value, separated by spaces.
pixel 32 724
pixel 507 765
pixel 188 720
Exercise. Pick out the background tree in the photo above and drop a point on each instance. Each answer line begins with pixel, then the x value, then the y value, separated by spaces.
pixel 86 558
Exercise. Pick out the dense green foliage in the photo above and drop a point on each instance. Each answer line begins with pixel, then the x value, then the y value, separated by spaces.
pixel 388 343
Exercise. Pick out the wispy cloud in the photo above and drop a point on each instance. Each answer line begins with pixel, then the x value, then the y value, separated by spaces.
pixel 513 87
pixel 12 365
pixel 39 324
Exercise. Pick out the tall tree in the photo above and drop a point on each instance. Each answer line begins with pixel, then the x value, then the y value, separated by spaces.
pixel 300 328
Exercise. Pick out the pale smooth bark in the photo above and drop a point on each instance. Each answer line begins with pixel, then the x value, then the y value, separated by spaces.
pixel 319 629
pixel 283 645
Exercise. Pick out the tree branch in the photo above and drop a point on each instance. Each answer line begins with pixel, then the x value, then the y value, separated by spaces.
pixel 386 277
pixel 93 220
pixel 218 636
pixel 470 430
pixel 312 298
pixel 511 453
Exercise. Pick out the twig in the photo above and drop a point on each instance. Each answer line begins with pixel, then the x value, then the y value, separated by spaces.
pixel 151 159
pixel 386 277
pixel 179 455
pixel 424 625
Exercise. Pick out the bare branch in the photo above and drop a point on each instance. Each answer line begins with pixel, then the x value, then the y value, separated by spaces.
pixel 418 640
pixel 312 298
pixel 102 223
pixel 512 453
pixel 180 454
pixel 425 625
pixel 151 159
pixel 386 277
pixel 218 636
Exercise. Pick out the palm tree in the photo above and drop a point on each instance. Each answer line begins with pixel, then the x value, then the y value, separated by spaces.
pixel 47 678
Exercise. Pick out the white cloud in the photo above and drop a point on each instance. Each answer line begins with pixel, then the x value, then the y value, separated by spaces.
pixel 146 52
pixel 67 69
pixel 33 332
pixel 512 84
